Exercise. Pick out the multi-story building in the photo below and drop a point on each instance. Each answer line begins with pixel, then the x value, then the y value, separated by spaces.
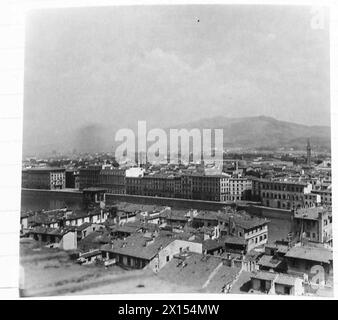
pixel 237 230
pixel 312 262
pixel 325 196
pixel 155 185
pixel 134 185
pixel 235 189
pixel 89 177
pixel 44 178
pixel 282 194
pixel 256 189
pixel 135 172
pixel 198 186
pixel 72 178
pixel 240 230
pixel 162 185
pixel 195 185
pixel 313 224
pixel 311 199
pixel 113 180
pixel 276 283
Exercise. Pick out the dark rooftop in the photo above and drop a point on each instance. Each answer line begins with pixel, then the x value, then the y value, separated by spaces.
pixel 135 246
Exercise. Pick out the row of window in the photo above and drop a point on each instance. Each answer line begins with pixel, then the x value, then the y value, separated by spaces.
pixel 280 187
pixel 282 196
pixel 258 239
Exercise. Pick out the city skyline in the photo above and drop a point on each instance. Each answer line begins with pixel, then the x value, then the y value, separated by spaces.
pixel 177 149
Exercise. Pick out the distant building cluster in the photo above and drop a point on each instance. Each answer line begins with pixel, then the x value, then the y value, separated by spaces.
pixel 228 249
pixel 271 181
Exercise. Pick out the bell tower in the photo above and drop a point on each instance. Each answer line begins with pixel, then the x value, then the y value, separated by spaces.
pixel 308 153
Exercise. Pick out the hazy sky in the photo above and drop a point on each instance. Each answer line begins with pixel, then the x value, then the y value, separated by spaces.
pixel 91 71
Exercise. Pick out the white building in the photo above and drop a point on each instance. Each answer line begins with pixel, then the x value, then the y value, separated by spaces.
pixel 135 172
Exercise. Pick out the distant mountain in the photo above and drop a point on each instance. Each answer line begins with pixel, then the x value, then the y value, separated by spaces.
pixel 265 133
pixel 260 133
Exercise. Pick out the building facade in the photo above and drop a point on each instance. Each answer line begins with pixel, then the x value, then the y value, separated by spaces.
pixel 313 224
pixel 89 177
pixel 113 180
pixel 199 186
pixel 325 196
pixel 155 185
pixel 235 189
pixel 44 178
pixel 72 177
pixel 282 194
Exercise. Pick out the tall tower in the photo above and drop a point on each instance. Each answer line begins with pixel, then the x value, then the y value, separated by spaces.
pixel 308 153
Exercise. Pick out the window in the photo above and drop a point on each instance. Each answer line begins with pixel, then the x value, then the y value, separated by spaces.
pixel 287 290
pixel 167 258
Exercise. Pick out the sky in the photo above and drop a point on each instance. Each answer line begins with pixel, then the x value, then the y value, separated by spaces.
pixel 91 71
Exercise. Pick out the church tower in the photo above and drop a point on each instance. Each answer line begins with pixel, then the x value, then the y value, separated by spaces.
pixel 308 153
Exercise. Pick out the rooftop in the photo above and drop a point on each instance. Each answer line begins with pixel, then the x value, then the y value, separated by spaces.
pixel 242 219
pixel 51 231
pixel 133 207
pixel 233 240
pixel 264 275
pixel 126 228
pixel 294 182
pixel 83 226
pixel 312 213
pixel 207 215
pixel 319 254
pixel 205 272
pixel 210 244
pixel 44 169
pixel 269 261
pixel 285 279
pixel 91 253
pixel 136 246
pixel 175 214
pixel 94 240
pixel 161 176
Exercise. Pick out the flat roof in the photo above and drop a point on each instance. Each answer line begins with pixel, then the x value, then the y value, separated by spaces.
pixel 194 270
pixel 311 213
pixel 285 279
pixel 319 254
pixel 299 183
pixel 269 261
pixel 135 246
pixel 264 275
pixel 43 169
pixel 232 240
